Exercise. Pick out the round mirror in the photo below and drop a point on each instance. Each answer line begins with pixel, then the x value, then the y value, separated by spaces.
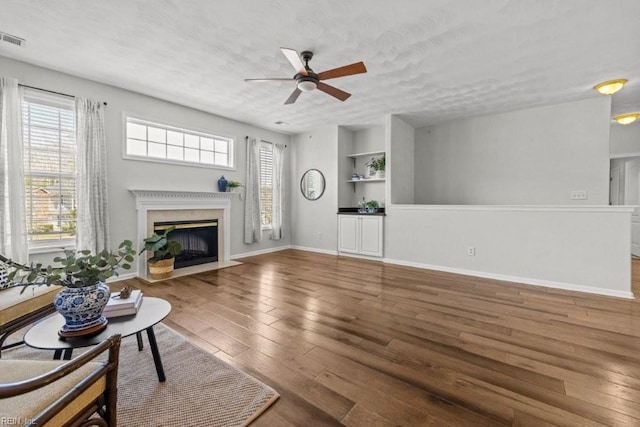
pixel 312 184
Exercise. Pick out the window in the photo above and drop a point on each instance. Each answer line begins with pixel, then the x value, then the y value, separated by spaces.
pixel 266 184
pixel 157 142
pixel 49 136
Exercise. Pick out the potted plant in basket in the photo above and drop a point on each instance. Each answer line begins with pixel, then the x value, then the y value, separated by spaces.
pixel 83 276
pixel 163 253
pixel 377 166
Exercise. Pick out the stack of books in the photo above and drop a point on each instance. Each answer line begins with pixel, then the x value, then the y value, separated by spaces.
pixel 117 306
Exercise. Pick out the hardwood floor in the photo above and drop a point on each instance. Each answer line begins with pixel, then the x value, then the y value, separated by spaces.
pixel 363 343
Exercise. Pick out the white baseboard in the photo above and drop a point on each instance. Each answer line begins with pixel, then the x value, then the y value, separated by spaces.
pixel 260 252
pixel 370 258
pixel 320 251
pixel 517 279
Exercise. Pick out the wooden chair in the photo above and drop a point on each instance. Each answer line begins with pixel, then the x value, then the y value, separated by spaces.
pixel 59 393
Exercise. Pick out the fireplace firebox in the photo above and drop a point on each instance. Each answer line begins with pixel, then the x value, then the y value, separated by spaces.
pixel 199 240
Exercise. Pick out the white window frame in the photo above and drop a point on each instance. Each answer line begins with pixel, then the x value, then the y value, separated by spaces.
pixel 266 146
pixel 62 102
pixel 175 128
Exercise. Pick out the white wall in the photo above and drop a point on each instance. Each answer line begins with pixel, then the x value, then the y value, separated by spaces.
pixel 368 140
pixel 532 157
pixel 125 174
pixel 529 157
pixel 314 222
pixel 579 248
pixel 625 139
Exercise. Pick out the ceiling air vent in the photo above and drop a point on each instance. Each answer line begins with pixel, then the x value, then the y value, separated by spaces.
pixel 12 39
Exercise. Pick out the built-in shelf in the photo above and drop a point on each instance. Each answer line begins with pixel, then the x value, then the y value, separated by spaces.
pixel 366 180
pixel 371 153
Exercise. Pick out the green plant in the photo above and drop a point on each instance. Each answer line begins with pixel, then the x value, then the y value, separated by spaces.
pixel 371 204
pixel 377 164
pixel 234 184
pixel 77 269
pixel 160 246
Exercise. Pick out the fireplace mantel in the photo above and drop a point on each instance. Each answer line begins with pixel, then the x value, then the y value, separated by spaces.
pixel 165 200
pixel 162 195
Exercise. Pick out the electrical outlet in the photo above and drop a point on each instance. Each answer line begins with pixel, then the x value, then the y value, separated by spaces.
pixel 471 250
pixel 579 195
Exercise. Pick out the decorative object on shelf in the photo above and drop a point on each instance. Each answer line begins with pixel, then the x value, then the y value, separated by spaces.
pixel 124 292
pixel 355 176
pixel 83 276
pixel 312 184
pixel 377 166
pixel 233 184
pixel 371 206
pixel 222 184
pixel 164 251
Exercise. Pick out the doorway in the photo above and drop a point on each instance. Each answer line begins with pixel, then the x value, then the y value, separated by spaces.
pixel 624 189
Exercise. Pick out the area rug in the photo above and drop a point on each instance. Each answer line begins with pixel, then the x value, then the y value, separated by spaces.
pixel 200 390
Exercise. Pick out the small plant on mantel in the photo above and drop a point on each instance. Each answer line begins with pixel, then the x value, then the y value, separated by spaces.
pixel 164 252
pixel 233 184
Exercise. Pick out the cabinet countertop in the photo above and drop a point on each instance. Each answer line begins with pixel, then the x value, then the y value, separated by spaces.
pixel 354 211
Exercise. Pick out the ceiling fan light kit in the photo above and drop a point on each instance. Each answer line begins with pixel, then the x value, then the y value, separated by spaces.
pixel 307 81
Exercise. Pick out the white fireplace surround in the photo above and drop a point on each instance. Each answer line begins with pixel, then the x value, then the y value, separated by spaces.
pixel 162 200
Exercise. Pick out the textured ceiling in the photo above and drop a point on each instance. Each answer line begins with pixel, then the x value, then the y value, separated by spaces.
pixel 430 60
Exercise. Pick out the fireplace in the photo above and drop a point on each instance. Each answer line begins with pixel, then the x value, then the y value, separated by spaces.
pixel 199 240
pixel 154 206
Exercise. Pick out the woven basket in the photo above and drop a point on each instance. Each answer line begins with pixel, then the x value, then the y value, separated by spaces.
pixel 162 269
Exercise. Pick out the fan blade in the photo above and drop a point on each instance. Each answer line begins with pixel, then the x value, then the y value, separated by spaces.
pixel 275 79
pixel 292 98
pixel 333 91
pixel 294 59
pixel 347 70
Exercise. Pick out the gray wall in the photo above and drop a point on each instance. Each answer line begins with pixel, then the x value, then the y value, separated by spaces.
pixel 625 139
pixel 530 157
pixel 125 174
pixel 401 152
pixel 314 222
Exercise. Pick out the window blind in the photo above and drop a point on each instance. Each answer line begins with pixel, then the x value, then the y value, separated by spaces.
pixel 266 184
pixel 49 165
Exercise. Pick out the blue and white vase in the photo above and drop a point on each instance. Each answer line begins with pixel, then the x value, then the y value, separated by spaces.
pixel 222 184
pixel 82 307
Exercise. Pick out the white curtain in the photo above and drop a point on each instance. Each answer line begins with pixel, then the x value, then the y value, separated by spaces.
pixel 91 182
pixel 252 226
pixel 13 228
pixel 278 191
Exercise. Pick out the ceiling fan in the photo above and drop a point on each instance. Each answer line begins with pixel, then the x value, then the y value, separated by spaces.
pixel 306 80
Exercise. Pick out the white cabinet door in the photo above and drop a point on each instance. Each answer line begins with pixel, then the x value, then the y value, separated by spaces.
pixel 371 235
pixel 348 233
pixel 360 234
